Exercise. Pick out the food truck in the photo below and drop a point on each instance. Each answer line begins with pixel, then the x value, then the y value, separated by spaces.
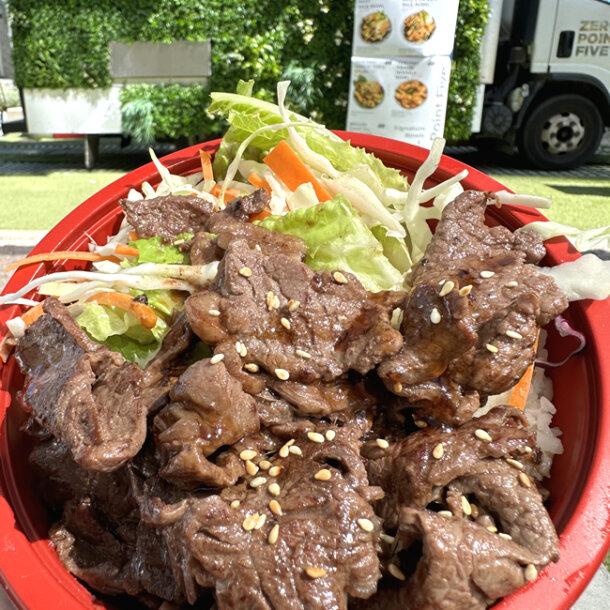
pixel 545 74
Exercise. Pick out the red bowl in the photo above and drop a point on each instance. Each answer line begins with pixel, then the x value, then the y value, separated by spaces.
pixel 580 480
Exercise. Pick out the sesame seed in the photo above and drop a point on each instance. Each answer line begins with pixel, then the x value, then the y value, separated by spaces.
pixel 441 282
pixel 466 508
pixel 527 449
pixel 241 349
pixel 531 573
pixel 258 481
pixel 216 358
pixel 284 451
pixel 282 374
pixel 420 423
pixel 315 437
pixel 293 305
pixel 257 247
pixel 330 435
pixel 252 367
pixel 273 534
pixel 323 475
pixel 251 468
pixel 512 284
pixel 514 463
pixel 339 277
pixel 250 521
pixel 396 572
pixel 260 522
pixel 245 271
pixel 274 489
pixel 398 387
pixel 525 480
pixel 275 508
pixel 445 513
pixel 474 511
pixel 435 316
pixel 513 334
pixel 465 290
pixel 491 348
pixel 264 465
pixel 178 242
pixel 274 471
pixel 505 536
pixel 446 289
pixel 235 503
pixel 313 572
pixel 285 322
pixel 482 435
pixel 487 274
pixel 295 450
pixel 387 538
pixel 303 354
pixel 492 528
pixel 382 443
pixel 438 451
pixel 270 300
pixel 214 312
pixel 366 525
pixel 248 454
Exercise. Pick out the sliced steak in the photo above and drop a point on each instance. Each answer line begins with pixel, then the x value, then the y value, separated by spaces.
pixel 462 233
pixel 463 566
pixel 246 569
pixel 204 249
pixel 167 216
pixel 208 410
pixel 411 476
pixel 516 507
pixel 83 393
pixel 472 318
pixel 290 318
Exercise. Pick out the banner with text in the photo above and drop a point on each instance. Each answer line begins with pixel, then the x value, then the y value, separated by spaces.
pixel 400 68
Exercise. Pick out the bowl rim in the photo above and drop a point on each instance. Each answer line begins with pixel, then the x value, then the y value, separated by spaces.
pixel 586 536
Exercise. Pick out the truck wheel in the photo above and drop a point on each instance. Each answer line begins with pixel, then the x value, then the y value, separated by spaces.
pixel 561 133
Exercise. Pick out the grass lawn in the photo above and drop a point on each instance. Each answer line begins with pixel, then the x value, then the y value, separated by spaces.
pixel 39 202
pixel 580 202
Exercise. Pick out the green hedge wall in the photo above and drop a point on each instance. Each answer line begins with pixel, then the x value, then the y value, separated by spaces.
pixel 59 45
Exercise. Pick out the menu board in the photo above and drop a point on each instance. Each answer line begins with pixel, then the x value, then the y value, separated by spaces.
pixel 400 68
pixel 404 27
pixel 405 99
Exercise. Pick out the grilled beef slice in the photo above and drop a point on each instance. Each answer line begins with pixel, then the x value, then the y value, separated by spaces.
pixel 471 321
pixel 463 566
pixel 88 396
pixel 208 410
pixel 280 309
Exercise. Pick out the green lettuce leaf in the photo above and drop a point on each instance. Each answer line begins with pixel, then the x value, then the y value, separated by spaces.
pixel 121 331
pixel 246 114
pixel 153 250
pixel 394 248
pixel 337 238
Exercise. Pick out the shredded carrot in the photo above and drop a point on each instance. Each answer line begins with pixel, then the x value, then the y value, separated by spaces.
pixel 133 236
pixel 229 193
pixel 260 215
pixel 292 171
pixel 126 250
pixel 259 183
pixel 518 396
pixel 206 165
pixel 33 314
pixel 59 255
pixel 146 316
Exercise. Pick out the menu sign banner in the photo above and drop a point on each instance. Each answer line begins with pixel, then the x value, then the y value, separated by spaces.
pixel 404 27
pixel 400 68
pixel 405 99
